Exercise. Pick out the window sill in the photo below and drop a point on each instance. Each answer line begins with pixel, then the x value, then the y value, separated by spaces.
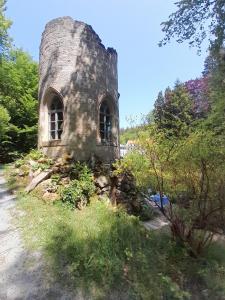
pixel 107 144
pixel 53 143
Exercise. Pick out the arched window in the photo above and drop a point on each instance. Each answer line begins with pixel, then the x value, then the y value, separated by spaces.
pixel 105 123
pixel 56 118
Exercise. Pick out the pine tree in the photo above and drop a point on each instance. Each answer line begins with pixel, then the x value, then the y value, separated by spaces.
pixel 158 108
pixel 174 116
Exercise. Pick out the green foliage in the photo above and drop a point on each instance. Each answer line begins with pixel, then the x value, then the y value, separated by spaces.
pixel 107 253
pixel 128 134
pixel 18 95
pixel 79 191
pixel 18 88
pixel 159 104
pixel 196 20
pixel 35 155
pixel 147 212
pixel 191 172
pixel 4 122
pixel 33 161
pixel 173 112
pixel 4 26
pixel 136 163
pixel 216 120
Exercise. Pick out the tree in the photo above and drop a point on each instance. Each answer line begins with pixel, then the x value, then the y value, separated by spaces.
pixel 191 172
pixel 173 111
pixel 158 108
pixel 198 90
pixel 19 88
pixel 18 95
pixel 4 122
pixel 4 26
pixel 216 119
pixel 196 20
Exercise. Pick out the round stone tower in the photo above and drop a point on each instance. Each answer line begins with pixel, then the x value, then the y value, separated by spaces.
pixel 78 93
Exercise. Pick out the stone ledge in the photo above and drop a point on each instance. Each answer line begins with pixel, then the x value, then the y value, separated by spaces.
pixel 106 145
pixel 53 143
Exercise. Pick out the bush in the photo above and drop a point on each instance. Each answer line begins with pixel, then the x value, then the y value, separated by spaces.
pixel 78 192
pixel 191 173
pixel 35 154
pixel 107 254
pixel 136 163
pixel 147 212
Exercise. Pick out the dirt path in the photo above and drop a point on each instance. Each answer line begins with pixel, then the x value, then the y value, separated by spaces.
pixel 23 274
pixel 156 223
pixel 159 221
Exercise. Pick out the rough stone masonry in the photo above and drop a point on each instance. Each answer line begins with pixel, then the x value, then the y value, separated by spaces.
pixel 78 93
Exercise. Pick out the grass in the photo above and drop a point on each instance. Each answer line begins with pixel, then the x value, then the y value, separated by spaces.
pixel 108 254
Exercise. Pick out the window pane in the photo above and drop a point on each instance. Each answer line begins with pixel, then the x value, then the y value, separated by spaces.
pixel 52 126
pixel 60 116
pixel 102 127
pixel 53 117
pixel 105 125
pixel 53 135
pixel 60 125
pixel 102 135
pixel 59 134
pixel 56 118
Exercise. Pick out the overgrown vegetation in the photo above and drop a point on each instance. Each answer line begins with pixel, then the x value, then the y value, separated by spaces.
pixel 194 21
pixel 107 253
pixel 179 152
pixel 79 190
pixel 18 96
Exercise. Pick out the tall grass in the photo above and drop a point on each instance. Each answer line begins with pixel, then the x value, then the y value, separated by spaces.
pixel 111 256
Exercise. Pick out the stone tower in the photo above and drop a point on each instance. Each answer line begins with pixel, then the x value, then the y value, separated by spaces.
pixel 78 93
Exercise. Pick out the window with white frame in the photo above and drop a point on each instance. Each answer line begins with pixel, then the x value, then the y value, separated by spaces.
pixel 105 123
pixel 56 118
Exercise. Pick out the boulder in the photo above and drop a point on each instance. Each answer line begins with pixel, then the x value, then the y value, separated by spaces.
pixel 50 197
pixel 31 175
pixel 43 160
pixel 36 180
pixel 65 181
pixel 102 181
pixel 36 173
pixel 44 185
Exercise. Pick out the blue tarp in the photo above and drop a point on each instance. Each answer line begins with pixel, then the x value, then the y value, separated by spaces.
pixel 156 198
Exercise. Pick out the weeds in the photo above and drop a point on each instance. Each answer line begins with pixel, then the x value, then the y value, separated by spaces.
pixel 105 251
pixel 79 190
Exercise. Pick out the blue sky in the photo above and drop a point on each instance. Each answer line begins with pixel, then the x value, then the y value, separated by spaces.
pixel 131 27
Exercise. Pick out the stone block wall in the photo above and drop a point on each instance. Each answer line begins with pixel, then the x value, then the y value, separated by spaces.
pixel 76 66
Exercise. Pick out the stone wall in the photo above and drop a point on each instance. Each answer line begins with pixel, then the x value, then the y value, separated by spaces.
pixel 75 65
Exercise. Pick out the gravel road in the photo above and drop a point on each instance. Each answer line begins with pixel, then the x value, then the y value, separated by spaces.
pixel 23 274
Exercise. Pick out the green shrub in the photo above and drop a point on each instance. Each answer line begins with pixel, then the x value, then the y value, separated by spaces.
pixel 108 255
pixel 147 213
pixel 35 154
pixel 19 163
pixel 77 194
pixel 136 163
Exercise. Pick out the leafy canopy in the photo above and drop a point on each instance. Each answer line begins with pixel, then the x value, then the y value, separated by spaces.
pixel 173 111
pixel 4 121
pixel 18 95
pixel 4 26
pixel 196 20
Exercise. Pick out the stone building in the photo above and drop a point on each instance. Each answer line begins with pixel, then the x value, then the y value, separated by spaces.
pixel 78 93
